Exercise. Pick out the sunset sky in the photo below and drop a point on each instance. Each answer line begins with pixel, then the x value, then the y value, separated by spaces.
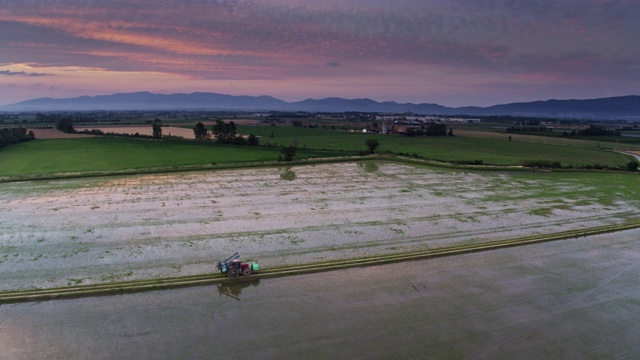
pixel 450 52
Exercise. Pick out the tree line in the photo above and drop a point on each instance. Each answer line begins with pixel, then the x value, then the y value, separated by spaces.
pixel 429 130
pixel 10 136
pixel 224 133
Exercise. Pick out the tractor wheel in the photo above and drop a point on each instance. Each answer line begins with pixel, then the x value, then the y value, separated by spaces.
pixel 234 273
pixel 246 271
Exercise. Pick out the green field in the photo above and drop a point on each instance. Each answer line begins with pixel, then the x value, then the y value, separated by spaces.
pixel 491 148
pixel 110 153
pixel 104 154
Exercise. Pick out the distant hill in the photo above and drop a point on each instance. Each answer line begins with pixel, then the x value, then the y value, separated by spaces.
pixel 622 107
pixel 150 101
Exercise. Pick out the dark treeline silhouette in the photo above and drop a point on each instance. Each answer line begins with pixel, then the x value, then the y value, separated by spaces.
pixel 429 130
pixel 10 136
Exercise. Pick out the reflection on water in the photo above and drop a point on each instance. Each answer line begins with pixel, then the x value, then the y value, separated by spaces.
pixel 233 289
pixel 369 166
pixel 443 308
pixel 287 174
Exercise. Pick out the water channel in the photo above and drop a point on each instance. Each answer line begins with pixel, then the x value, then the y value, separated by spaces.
pixel 567 299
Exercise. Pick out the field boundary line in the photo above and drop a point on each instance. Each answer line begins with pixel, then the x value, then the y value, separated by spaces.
pixel 340 264
pixel 255 164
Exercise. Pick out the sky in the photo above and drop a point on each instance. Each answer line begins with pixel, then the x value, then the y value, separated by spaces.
pixel 449 52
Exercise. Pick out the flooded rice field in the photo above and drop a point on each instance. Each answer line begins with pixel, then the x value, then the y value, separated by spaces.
pixel 570 299
pixel 97 230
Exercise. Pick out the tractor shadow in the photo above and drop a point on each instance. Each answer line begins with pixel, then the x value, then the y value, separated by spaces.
pixel 234 289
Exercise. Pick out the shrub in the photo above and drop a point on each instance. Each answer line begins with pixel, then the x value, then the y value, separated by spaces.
pixel 542 164
pixel 632 166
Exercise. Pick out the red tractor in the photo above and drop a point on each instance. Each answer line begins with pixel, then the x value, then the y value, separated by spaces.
pixel 234 267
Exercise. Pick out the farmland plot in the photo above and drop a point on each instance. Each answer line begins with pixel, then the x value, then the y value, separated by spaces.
pixel 85 231
pixel 142 130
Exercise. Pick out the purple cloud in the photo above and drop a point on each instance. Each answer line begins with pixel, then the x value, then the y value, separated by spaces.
pixel 432 45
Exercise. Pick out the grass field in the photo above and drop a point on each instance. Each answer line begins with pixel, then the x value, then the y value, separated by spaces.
pixel 110 153
pixel 104 154
pixel 490 147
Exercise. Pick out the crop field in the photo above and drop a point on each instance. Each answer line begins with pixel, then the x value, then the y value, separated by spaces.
pixel 142 130
pixel 56 153
pixel 467 145
pixel 105 154
pixel 99 230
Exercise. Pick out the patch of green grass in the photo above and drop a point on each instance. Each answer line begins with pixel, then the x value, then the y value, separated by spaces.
pixel 111 154
pixel 597 187
pixel 542 212
pixel 495 150
pixel 74 282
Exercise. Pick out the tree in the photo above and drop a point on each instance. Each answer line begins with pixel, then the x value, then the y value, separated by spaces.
pixel 200 132
pixel 436 130
pixel 253 140
pixel 632 166
pixel 10 136
pixel 225 132
pixel 65 125
pixel 287 152
pixel 239 140
pixel 372 145
pixel 157 129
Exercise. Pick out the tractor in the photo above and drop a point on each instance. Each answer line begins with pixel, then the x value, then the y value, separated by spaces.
pixel 234 267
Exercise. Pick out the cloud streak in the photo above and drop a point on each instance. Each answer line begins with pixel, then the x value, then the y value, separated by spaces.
pixel 21 73
pixel 437 50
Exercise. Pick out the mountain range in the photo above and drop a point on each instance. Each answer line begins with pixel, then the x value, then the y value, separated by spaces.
pixel 613 108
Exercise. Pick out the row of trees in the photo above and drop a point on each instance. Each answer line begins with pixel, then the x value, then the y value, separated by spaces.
pixel 225 133
pixel 10 136
pixel 631 166
pixel 520 129
pixel 595 130
pixel 429 130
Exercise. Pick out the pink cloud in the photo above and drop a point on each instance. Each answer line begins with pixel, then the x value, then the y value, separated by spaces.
pixel 424 48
